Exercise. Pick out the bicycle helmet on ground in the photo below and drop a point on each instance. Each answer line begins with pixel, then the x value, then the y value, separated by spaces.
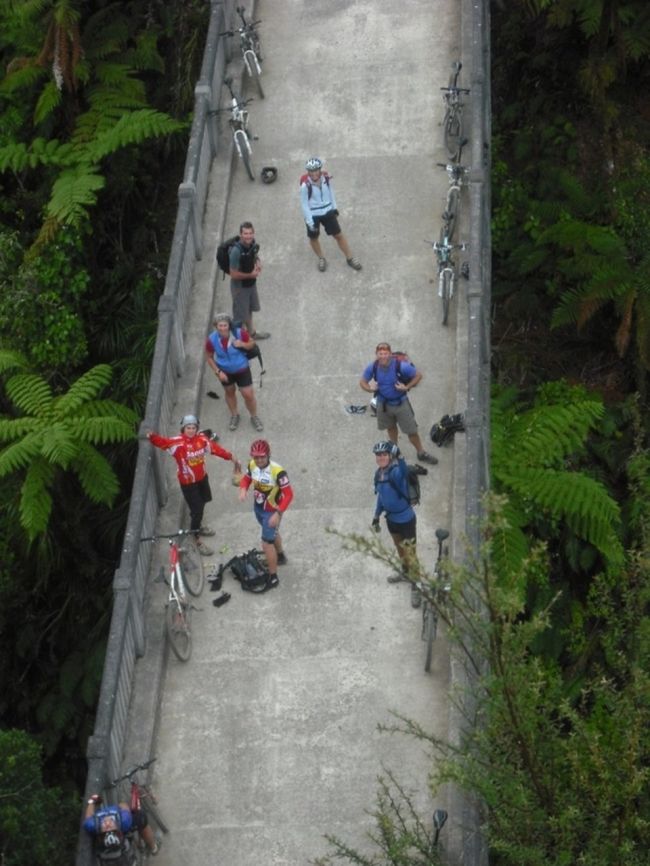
pixel 268 174
pixel 385 447
pixel 189 419
pixel 260 448
pixel 314 164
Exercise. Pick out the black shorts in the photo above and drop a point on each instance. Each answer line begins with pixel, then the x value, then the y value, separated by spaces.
pixel 242 378
pixel 139 819
pixel 329 222
pixel 406 531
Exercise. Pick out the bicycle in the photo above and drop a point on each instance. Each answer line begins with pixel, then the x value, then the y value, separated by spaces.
pixel 183 578
pixel 453 120
pixel 444 250
pixel 457 174
pixel 432 599
pixel 249 43
pixel 140 797
pixel 241 131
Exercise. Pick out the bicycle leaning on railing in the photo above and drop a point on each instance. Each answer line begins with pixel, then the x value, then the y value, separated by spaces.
pixel 453 120
pixel 457 175
pixel 239 125
pixel 444 252
pixel 434 597
pixel 249 43
pixel 140 797
pixel 185 576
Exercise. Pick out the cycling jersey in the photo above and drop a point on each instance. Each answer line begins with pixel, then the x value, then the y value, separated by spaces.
pixel 189 452
pixel 228 358
pixel 391 487
pixel 271 488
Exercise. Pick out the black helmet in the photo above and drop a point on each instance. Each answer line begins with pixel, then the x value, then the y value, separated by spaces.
pixel 268 174
pixel 385 447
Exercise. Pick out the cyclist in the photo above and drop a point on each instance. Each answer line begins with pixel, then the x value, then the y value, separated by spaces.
pixel 390 381
pixel 225 351
pixel 319 209
pixel 272 496
pixel 109 826
pixel 245 268
pixel 391 487
pixel 189 450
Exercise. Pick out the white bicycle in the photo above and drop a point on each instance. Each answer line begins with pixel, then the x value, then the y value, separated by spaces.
pixel 457 175
pixel 249 43
pixel 444 251
pixel 241 131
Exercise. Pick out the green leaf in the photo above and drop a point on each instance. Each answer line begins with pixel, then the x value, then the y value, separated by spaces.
pixel 35 498
pixel 74 191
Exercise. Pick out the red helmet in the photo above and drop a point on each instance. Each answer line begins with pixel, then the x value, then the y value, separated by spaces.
pixel 260 448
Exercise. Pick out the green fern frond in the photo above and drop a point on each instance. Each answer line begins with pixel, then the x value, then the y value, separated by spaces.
pixel 108 409
pixel 105 33
pixel 48 102
pixel 133 128
pixel 86 388
pixel 12 429
pixel 102 431
pixel 580 235
pixel 508 542
pixel 117 76
pixel 568 309
pixel 584 504
pixel 14 157
pixel 545 435
pixel 19 455
pixel 30 393
pixel 35 498
pixel 23 76
pixel 73 192
pixel 95 475
pixel 59 446
pixel 11 360
pixel 145 57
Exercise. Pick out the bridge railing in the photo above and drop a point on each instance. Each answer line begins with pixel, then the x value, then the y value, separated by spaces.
pixel 126 640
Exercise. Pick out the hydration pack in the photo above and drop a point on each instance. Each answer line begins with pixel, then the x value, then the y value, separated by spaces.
pixel 251 570
pixel 443 432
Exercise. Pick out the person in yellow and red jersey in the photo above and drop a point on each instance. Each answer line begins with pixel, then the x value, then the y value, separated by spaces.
pixel 189 450
pixel 272 496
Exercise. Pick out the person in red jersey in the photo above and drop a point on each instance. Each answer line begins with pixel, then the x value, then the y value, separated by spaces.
pixel 189 450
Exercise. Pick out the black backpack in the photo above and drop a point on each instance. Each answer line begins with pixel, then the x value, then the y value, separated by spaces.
pixel 251 353
pixel 247 261
pixel 443 432
pixel 251 571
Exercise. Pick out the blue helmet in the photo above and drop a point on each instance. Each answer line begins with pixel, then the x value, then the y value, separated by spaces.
pixel 314 164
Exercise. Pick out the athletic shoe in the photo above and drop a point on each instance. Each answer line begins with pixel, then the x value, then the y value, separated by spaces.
pixel 282 558
pixel 207 530
pixel 261 335
pixel 416 596
pixel 257 424
pixel 203 549
pixel 354 263
pixel 425 457
pixel 396 578
pixel 234 422
pixel 322 264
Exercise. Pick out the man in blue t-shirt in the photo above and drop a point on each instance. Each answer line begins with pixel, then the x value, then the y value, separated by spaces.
pixel 390 381
pixel 110 826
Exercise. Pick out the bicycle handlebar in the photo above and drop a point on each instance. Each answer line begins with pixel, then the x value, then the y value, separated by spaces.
pixel 171 535
pixel 131 772
pixel 453 166
pixel 456 89
pixel 249 25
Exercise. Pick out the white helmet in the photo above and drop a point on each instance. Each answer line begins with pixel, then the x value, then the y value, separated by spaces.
pixel 314 164
pixel 189 419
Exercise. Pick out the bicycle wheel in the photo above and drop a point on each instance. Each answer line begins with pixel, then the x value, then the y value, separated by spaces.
pixel 429 629
pixel 177 626
pixel 151 808
pixel 192 569
pixel 255 75
pixel 453 130
pixel 453 210
pixel 445 294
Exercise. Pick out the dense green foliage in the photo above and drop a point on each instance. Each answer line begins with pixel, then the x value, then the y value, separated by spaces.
pixel 94 105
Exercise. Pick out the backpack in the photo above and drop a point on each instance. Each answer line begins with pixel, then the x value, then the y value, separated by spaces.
pixel 251 353
pixel 223 255
pixel 304 178
pixel 110 844
pixel 413 482
pixel 251 570
pixel 399 358
pixel 443 432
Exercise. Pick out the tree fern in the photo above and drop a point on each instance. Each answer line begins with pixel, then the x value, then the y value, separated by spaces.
pixel 96 476
pixel 86 388
pixel 30 393
pixel 73 192
pixel 133 128
pixel 35 498
pixel 48 102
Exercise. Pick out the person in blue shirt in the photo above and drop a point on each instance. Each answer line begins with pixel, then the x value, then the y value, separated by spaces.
pixel 110 826
pixel 391 487
pixel 390 380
